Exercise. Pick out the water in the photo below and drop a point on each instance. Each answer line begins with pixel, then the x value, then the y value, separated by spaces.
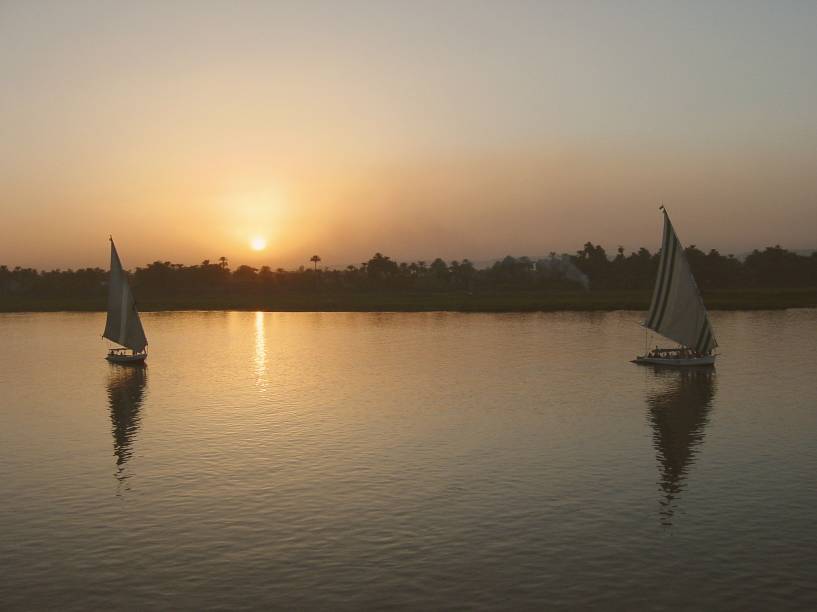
pixel 419 461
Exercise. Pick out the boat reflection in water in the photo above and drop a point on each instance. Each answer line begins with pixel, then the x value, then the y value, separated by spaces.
pixel 678 412
pixel 126 390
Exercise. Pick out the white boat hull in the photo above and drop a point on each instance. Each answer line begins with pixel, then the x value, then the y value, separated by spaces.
pixel 708 360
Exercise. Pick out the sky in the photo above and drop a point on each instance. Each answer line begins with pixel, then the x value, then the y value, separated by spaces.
pixel 418 129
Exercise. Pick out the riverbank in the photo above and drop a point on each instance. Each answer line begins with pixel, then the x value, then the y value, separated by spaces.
pixel 755 299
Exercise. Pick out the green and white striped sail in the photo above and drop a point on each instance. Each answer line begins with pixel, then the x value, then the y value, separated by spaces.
pixel 122 325
pixel 677 311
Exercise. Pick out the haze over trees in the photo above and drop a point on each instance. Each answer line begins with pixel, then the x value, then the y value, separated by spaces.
pixel 592 269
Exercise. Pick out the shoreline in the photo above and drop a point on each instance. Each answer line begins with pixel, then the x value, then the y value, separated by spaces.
pixel 754 299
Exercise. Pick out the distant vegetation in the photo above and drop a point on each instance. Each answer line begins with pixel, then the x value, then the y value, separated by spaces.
pixel 590 279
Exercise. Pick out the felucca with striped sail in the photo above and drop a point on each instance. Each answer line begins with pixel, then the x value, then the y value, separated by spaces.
pixel 123 325
pixel 677 311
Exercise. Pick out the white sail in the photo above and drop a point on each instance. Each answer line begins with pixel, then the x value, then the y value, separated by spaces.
pixel 123 325
pixel 677 310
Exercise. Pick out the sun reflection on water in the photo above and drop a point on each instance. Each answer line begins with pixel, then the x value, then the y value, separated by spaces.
pixel 260 351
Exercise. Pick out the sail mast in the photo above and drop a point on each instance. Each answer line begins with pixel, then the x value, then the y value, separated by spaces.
pixel 677 310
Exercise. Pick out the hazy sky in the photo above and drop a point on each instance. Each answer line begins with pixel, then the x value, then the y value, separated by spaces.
pixel 418 128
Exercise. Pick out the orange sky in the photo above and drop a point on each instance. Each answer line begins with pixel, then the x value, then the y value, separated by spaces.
pixel 465 129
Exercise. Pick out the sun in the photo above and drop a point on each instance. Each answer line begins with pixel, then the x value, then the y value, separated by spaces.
pixel 257 243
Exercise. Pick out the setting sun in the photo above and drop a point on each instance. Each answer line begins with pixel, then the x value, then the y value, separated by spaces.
pixel 258 243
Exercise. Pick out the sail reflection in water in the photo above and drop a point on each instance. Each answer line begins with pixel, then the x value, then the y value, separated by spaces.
pixel 126 390
pixel 678 413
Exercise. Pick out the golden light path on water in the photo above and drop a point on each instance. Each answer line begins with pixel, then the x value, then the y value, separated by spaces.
pixel 260 351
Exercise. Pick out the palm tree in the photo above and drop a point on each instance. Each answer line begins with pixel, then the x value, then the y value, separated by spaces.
pixel 315 259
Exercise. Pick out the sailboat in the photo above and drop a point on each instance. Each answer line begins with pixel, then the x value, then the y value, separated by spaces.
pixel 123 325
pixel 677 311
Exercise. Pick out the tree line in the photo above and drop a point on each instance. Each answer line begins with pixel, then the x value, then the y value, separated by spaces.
pixel 591 269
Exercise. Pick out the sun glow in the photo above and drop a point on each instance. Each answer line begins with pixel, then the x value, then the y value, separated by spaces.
pixel 258 243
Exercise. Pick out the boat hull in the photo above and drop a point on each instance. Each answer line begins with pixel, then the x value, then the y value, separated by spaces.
pixel 708 360
pixel 137 359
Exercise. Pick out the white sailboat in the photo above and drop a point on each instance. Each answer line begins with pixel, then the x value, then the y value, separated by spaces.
pixel 677 311
pixel 123 325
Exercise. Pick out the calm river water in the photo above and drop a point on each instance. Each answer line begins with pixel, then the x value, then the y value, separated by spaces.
pixel 424 461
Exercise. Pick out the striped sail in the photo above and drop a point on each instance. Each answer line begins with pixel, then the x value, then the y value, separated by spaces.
pixel 122 325
pixel 677 311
